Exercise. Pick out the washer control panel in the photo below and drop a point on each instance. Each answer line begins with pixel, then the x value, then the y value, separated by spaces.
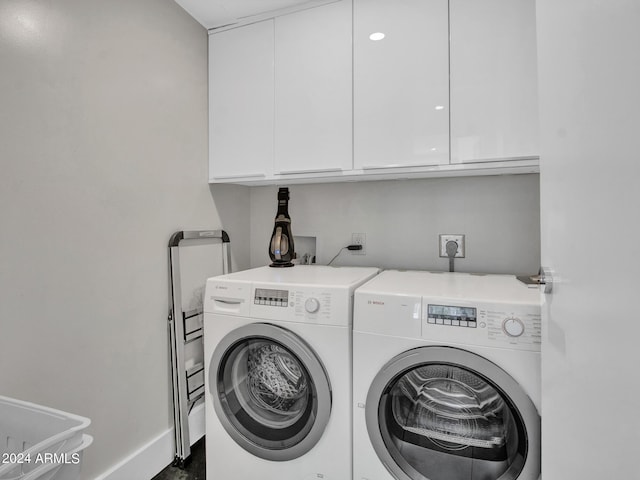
pixel 312 305
pixel 271 297
pixel 300 304
pixel 315 304
pixel 274 298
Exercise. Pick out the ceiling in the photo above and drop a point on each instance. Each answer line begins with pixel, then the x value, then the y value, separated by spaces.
pixel 217 13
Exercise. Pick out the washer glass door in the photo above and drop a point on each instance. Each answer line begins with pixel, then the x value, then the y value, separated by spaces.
pixel 270 391
pixel 441 413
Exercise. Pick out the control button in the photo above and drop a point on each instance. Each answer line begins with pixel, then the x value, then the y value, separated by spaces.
pixel 455 323
pixel 431 320
pixel 472 324
pixel 447 321
pixel 513 326
pixel 439 321
pixel 483 325
pixel 463 323
pixel 312 305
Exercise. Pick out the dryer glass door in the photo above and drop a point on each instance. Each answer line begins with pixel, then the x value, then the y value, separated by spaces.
pixel 270 391
pixel 447 414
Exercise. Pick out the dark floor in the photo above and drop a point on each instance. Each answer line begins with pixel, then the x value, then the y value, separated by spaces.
pixel 193 470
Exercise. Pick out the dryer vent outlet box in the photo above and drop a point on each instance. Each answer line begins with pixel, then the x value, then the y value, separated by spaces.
pixel 305 250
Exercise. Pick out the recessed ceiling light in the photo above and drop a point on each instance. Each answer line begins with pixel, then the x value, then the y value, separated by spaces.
pixel 376 36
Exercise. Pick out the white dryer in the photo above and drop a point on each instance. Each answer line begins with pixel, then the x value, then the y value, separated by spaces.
pixel 278 372
pixel 446 379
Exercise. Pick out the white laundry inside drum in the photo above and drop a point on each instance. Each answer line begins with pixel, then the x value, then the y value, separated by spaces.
pixel 277 382
pixel 452 407
pixel 270 384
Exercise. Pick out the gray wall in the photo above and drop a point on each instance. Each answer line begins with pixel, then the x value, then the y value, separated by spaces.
pixel 103 150
pixel 500 216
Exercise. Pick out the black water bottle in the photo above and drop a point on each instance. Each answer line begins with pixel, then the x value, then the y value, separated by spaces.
pixel 281 248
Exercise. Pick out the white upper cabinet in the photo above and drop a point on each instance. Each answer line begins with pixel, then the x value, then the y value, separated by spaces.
pixel 401 83
pixel 494 99
pixel 241 95
pixel 375 89
pixel 313 83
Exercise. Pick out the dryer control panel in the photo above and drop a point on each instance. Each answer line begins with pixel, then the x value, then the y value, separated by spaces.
pixel 452 316
pixel 509 326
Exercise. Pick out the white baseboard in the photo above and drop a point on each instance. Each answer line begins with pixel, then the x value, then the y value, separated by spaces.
pixel 146 462
pixel 152 458
pixel 196 423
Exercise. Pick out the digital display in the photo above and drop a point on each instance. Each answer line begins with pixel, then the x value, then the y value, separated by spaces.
pixel 268 296
pixel 452 313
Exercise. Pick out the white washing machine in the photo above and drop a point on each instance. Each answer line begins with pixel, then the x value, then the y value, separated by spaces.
pixel 278 372
pixel 446 378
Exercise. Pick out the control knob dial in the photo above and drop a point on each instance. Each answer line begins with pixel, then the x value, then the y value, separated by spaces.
pixel 312 305
pixel 513 326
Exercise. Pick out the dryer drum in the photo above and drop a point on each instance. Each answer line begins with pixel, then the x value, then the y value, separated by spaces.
pixel 442 413
pixel 453 407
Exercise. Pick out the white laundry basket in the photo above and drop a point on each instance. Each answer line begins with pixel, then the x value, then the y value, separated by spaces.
pixel 36 439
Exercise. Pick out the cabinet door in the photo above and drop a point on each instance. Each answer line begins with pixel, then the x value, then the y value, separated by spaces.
pixel 313 100
pixel 401 83
pixel 241 102
pixel 494 101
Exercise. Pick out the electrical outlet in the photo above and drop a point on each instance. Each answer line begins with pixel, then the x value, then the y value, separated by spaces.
pixel 359 239
pixel 447 237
